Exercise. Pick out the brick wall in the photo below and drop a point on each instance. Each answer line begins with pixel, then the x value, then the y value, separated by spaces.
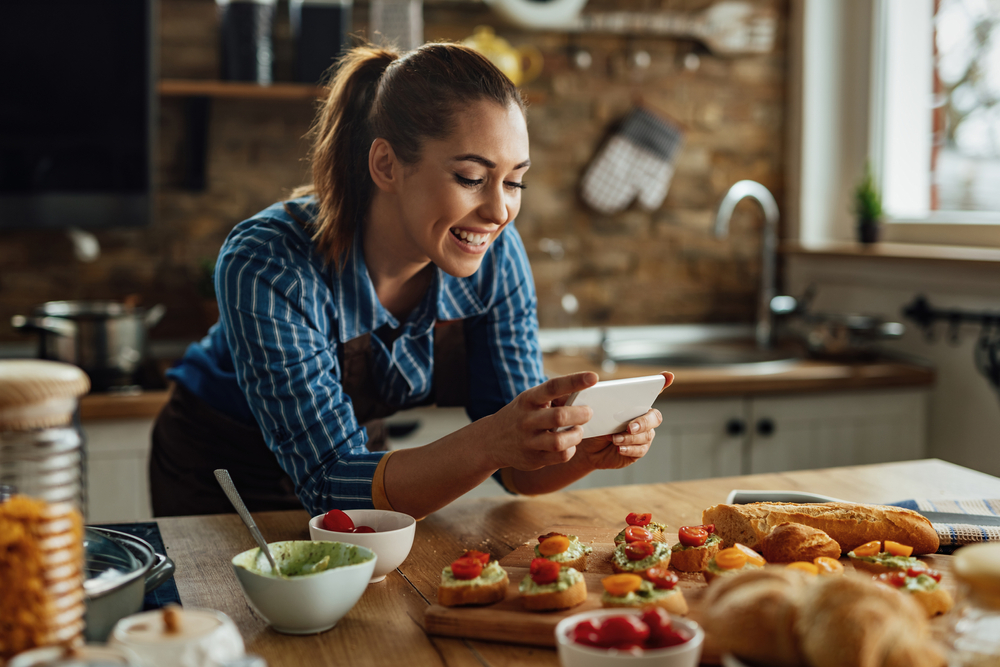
pixel 632 268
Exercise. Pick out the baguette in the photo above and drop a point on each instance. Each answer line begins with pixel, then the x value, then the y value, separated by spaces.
pixel 551 600
pixel 474 594
pixel 849 524
pixel 693 559
pixel 790 542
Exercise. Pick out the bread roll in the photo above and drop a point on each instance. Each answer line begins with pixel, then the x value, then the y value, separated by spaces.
pixel 789 542
pixel 848 524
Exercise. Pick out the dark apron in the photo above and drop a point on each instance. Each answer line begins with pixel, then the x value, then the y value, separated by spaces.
pixel 191 439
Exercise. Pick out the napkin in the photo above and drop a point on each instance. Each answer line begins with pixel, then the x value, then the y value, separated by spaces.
pixel 957 534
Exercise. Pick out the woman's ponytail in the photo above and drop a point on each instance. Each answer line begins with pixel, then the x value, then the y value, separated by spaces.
pixel 342 137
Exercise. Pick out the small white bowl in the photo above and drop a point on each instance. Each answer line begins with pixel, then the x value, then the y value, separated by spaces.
pixel 306 604
pixel 572 654
pixel 391 541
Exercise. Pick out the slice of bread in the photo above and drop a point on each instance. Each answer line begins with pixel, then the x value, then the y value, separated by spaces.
pixel 674 603
pixel 710 575
pixel 790 542
pixel 563 599
pixel 935 602
pixel 694 559
pixel 473 594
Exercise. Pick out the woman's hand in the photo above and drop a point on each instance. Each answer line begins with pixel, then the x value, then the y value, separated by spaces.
pixel 525 433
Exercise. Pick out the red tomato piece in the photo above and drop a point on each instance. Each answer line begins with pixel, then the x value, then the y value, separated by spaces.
pixel 896 578
pixel 544 571
pixel 466 568
pixel 915 571
pixel 586 633
pixel 639 550
pixel 637 534
pixel 662 578
pixel 669 638
pixel 364 529
pixel 618 630
pixel 542 538
pixel 692 536
pixel 634 519
pixel 657 619
pixel 933 574
pixel 479 556
pixel 710 528
pixel 338 522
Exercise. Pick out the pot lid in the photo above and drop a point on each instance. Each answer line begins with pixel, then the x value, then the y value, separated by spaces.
pixel 36 393
pixel 113 560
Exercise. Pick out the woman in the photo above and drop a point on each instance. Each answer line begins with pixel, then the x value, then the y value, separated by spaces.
pixel 395 280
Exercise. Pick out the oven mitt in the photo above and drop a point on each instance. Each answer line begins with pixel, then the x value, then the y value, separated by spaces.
pixel 637 161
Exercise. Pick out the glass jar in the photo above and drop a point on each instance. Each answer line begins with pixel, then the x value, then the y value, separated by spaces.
pixel 41 526
pixel 976 638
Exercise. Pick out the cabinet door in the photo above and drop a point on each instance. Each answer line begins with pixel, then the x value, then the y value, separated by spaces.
pixel 117 470
pixel 826 430
pixel 692 443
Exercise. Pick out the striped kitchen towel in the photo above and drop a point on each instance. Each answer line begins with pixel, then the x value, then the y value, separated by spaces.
pixel 957 534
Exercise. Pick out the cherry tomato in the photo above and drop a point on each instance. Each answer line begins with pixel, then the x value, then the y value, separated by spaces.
pixel 692 536
pixel 544 571
pixel 803 566
pixel 618 630
pixel 658 621
pixel 662 578
pixel 670 637
pixel 634 519
pixel 896 578
pixel 637 534
pixel 827 565
pixel 479 556
pixel 466 568
pixel 709 527
pixel 364 529
pixel 868 549
pixel 620 585
pixel 556 544
pixel 338 522
pixel 639 550
pixel 731 559
pixel 586 632
pixel 897 549
pixel 542 538
pixel 753 557
pixel 933 574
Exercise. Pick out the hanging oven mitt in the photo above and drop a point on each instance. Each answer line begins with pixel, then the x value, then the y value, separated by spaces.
pixel 636 161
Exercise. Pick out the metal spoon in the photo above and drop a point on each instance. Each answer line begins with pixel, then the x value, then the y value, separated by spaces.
pixel 226 482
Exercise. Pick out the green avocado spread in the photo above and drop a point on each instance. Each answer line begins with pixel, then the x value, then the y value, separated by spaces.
pixel 575 550
pixel 567 577
pixel 886 559
pixel 660 551
pixel 712 539
pixel 715 569
pixel 652 527
pixel 921 582
pixel 491 574
pixel 303 558
pixel 647 594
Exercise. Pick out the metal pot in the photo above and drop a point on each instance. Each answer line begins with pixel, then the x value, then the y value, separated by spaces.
pixel 107 339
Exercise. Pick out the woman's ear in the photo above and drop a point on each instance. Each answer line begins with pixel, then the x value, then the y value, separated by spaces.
pixel 384 167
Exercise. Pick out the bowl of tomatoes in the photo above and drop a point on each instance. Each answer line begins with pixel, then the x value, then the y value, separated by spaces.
pixel 388 534
pixel 628 636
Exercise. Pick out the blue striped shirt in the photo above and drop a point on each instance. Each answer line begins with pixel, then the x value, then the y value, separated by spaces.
pixel 284 314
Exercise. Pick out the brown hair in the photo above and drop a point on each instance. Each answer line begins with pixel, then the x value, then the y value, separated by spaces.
pixel 402 98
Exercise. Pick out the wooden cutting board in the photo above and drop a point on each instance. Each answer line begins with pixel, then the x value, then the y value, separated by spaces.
pixel 507 622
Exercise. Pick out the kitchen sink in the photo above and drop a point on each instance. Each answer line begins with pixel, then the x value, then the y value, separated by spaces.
pixel 652 352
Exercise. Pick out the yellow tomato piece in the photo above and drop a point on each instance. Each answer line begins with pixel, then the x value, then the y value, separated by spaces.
pixel 803 566
pixel 731 559
pixel 551 546
pixel 897 549
pixel 621 584
pixel 869 549
pixel 827 565
pixel 753 557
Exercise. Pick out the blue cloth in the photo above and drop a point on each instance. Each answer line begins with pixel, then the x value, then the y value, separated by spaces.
pixel 284 314
pixel 958 534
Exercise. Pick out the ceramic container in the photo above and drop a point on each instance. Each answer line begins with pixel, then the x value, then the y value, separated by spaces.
pixel 572 654
pixel 176 637
pixel 392 539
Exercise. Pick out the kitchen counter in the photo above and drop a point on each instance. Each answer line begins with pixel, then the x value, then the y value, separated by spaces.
pixel 385 626
pixel 803 375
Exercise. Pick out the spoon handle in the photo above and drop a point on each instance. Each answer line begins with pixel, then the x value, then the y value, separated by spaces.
pixel 226 482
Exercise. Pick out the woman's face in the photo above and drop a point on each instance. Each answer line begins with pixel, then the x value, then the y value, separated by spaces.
pixel 466 187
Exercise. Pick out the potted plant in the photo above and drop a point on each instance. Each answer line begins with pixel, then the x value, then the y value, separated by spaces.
pixel 868 207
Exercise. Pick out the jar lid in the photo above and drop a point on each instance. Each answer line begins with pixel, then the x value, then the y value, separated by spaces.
pixel 978 565
pixel 35 393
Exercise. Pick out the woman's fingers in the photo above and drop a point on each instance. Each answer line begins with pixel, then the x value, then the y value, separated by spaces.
pixel 564 385
pixel 637 431
pixel 635 451
pixel 668 379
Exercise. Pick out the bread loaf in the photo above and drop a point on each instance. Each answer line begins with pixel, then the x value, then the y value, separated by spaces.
pixel 849 524
pixel 789 542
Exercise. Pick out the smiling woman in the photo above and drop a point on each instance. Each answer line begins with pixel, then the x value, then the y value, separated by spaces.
pixel 395 279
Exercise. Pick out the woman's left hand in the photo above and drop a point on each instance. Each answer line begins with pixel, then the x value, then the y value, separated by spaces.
pixel 608 452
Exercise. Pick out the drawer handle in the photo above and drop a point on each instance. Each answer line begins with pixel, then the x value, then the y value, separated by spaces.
pixel 735 427
pixel 765 426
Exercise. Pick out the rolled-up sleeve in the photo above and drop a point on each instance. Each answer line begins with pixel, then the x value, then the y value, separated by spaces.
pixel 279 317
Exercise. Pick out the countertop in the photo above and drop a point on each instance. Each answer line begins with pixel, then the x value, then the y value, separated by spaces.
pixel 385 627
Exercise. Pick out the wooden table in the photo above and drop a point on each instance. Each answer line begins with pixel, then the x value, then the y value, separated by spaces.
pixel 385 626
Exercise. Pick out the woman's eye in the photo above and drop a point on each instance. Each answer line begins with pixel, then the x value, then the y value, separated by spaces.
pixel 514 186
pixel 471 182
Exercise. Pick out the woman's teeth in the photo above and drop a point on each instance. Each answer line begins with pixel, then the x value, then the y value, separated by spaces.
pixel 471 239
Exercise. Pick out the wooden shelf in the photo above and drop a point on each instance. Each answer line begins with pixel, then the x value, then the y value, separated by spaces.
pixel 238 89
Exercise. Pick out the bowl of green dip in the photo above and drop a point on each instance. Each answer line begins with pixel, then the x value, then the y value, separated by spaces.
pixel 319 582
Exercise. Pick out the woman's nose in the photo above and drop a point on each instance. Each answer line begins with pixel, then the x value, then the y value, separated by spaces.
pixel 494 207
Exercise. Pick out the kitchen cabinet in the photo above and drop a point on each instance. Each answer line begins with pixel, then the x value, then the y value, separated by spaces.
pixel 117 475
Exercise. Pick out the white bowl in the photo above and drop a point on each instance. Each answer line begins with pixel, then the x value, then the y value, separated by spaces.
pixel 306 604
pixel 572 654
pixel 391 541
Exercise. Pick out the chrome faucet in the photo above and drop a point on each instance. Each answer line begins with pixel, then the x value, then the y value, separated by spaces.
pixel 769 247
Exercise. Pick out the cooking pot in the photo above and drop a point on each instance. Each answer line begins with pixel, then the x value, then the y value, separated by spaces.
pixel 107 339
pixel 120 570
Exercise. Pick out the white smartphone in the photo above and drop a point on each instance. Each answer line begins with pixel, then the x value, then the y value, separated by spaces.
pixel 617 402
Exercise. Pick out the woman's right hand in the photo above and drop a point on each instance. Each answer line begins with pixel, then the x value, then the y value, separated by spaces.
pixel 524 432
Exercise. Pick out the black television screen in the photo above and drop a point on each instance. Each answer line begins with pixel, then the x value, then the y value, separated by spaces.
pixel 76 113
